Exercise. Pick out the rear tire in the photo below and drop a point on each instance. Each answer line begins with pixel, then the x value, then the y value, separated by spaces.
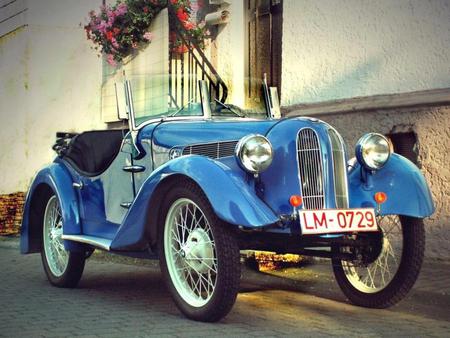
pixel 199 257
pixel 378 283
pixel 63 268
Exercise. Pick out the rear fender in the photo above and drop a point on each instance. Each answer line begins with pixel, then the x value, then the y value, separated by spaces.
pixel 52 179
pixel 232 198
pixel 407 191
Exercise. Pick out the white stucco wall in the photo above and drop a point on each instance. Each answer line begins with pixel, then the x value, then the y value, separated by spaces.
pixel 230 58
pixel 347 48
pixel 50 81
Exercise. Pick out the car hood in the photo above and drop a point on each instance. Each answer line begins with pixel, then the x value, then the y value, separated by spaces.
pixel 169 134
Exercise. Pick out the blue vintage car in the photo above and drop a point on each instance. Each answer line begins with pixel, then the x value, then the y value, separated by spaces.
pixel 194 185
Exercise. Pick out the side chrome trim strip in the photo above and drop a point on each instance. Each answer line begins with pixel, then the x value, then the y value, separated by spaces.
pixel 98 242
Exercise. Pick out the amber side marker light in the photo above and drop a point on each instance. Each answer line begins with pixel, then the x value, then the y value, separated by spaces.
pixel 380 197
pixel 295 200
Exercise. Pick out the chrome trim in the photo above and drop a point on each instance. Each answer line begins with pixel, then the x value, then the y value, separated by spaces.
pixel 98 242
pixel 238 149
pixel 343 174
pixel 126 205
pixel 359 148
pixel 130 106
pixel 218 150
pixel 204 97
pixel 78 185
pixel 315 204
pixel 133 168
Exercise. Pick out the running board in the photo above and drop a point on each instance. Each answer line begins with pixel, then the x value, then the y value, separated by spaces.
pixel 98 242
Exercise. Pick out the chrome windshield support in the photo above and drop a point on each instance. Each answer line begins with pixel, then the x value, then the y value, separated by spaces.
pixel 129 103
pixel 204 96
pixel 131 116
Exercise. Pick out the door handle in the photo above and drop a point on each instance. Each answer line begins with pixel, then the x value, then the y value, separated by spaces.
pixel 78 185
pixel 133 168
pixel 126 205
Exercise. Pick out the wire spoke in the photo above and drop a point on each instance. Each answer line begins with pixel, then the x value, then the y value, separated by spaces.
pixel 190 252
pixel 56 255
pixel 378 273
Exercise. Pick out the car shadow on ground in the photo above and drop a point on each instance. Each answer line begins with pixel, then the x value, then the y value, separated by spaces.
pixel 310 287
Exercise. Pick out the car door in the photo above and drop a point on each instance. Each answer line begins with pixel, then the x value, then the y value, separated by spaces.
pixel 106 197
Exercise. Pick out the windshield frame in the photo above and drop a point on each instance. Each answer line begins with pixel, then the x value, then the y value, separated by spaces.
pixel 206 109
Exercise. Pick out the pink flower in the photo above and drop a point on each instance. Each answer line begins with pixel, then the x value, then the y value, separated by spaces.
pixel 134 45
pixel 115 43
pixel 101 27
pixel 121 9
pixel 110 60
pixel 148 36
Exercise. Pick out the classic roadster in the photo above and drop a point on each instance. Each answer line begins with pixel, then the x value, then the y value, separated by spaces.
pixel 194 185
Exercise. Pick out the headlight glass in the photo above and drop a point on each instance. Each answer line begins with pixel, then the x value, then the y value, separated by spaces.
pixel 373 151
pixel 254 153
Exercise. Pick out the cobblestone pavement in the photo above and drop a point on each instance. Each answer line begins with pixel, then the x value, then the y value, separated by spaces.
pixel 120 300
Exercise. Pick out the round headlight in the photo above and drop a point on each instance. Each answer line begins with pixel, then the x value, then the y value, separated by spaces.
pixel 373 151
pixel 254 153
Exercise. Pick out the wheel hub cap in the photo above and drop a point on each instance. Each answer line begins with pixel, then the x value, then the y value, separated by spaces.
pixel 198 250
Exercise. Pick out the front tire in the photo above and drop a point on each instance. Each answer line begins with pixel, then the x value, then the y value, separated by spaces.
pixel 63 268
pixel 384 280
pixel 199 257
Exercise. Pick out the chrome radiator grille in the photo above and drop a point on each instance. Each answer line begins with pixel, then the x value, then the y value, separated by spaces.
pixel 339 169
pixel 310 169
pixel 213 150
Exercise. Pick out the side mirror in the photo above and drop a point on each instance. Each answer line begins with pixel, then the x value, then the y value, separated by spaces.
pixel 121 101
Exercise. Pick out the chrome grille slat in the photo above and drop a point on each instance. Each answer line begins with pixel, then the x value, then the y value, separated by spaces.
pixel 212 150
pixel 310 169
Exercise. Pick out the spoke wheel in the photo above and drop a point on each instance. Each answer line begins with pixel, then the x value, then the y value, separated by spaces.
pixel 384 280
pixel 199 258
pixel 57 256
pixel 63 268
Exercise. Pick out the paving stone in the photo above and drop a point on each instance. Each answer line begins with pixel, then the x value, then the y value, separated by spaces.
pixel 118 300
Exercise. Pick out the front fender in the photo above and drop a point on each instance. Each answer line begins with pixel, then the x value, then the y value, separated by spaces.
pixel 232 198
pixel 407 191
pixel 57 178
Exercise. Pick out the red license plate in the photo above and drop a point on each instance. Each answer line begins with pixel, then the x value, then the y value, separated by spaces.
pixel 329 221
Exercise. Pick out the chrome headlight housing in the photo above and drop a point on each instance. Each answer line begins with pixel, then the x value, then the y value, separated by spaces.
pixel 373 151
pixel 254 153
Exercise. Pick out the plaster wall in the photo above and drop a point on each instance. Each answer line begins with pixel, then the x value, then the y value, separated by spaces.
pixel 49 79
pixel 230 52
pixel 348 48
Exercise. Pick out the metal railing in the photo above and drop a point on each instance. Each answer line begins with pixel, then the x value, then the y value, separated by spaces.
pixel 186 68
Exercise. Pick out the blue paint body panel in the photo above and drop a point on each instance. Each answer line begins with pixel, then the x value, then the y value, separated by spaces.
pixel 177 133
pixel 57 177
pixel 407 191
pixel 238 206
pixel 281 179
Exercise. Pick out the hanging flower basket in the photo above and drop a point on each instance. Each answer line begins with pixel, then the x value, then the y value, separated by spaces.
pixel 119 31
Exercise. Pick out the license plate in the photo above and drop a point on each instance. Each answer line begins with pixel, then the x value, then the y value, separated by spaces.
pixel 329 221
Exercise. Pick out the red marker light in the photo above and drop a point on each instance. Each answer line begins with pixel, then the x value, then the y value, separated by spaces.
pixel 380 197
pixel 295 200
